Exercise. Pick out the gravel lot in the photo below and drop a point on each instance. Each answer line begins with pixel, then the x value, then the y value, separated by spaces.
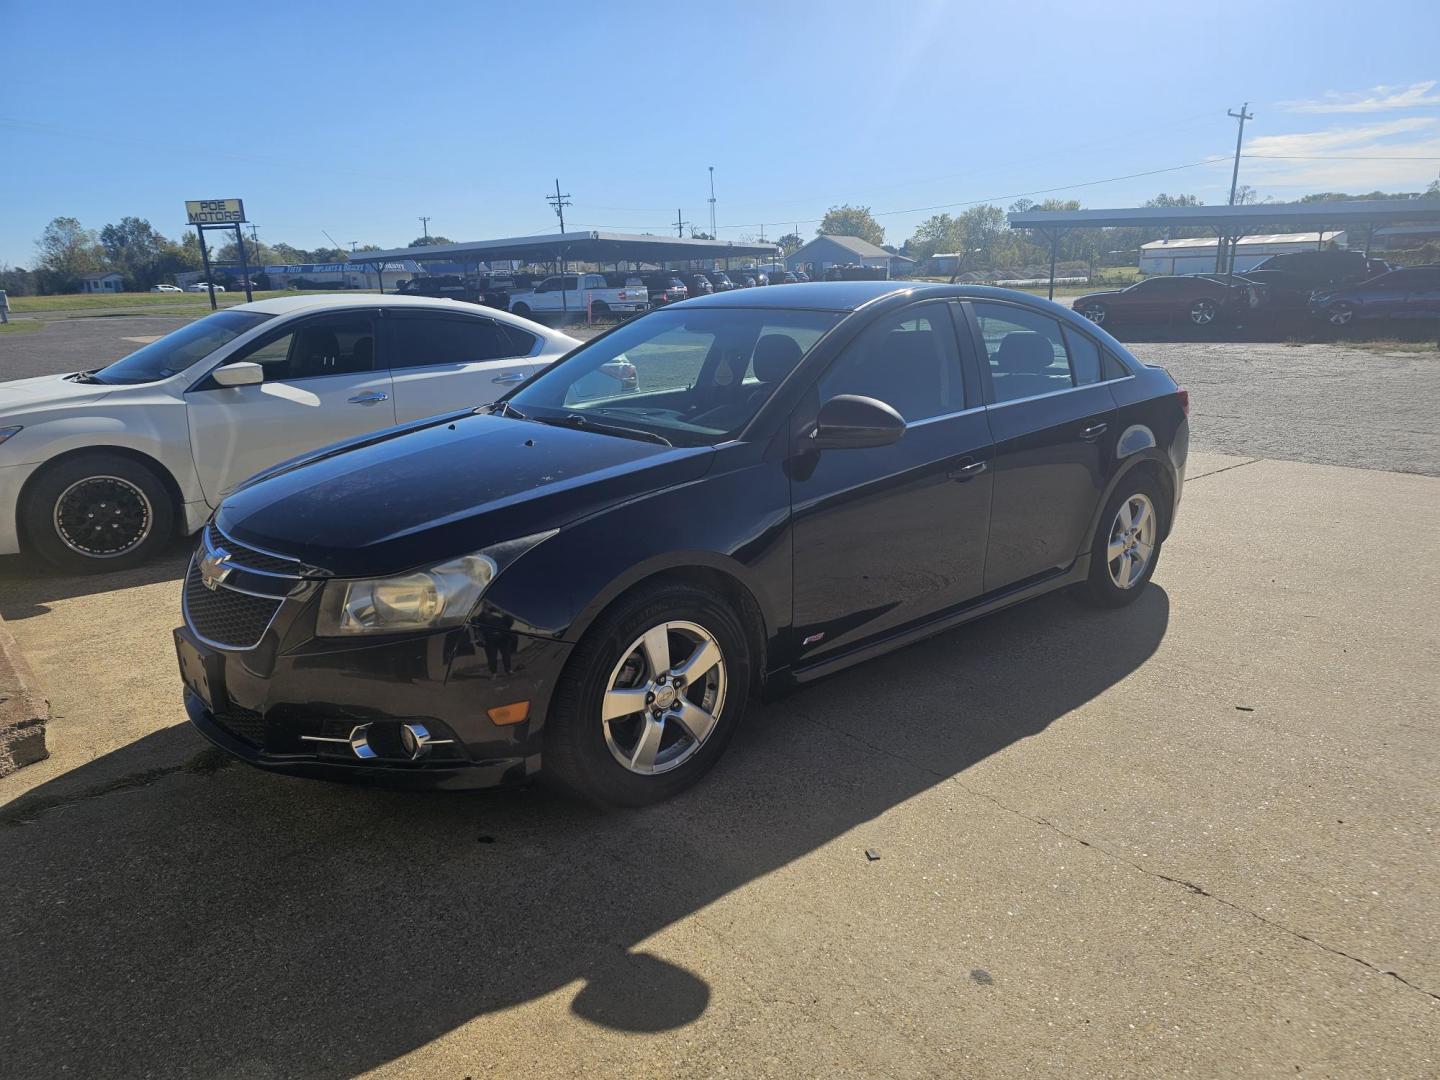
pixel 1322 403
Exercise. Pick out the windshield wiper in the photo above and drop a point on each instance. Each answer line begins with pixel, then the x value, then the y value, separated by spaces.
pixel 584 423
pixel 83 377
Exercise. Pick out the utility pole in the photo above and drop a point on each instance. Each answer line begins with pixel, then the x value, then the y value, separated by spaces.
pixel 713 232
pixel 1243 115
pixel 679 224
pixel 254 235
pixel 558 202
pixel 425 225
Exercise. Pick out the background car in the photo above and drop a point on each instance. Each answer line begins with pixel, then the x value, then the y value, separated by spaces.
pixel 1256 294
pixel 166 288
pixel 742 279
pixel 1196 300
pixel 1409 293
pixel 202 286
pixel 783 277
pixel 720 280
pixel 697 283
pixel 665 287
pixel 100 469
pixel 589 587
pixel 1292 277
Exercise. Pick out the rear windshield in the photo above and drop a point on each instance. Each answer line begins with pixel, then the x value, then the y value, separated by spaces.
pixel 177 351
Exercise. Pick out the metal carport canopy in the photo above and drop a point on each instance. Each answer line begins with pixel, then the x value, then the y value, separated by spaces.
pixel 1239 220
pixel 592 246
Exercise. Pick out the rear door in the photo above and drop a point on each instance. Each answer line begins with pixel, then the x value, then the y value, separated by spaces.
pixel 321 386
pixel 442 361
pixel 1423 299
pixel 1053 421
pixel 888 535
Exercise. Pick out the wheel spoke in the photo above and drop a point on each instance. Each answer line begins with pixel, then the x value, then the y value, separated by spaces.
pixel 1141 517
pixel 656 644
pixel 695 720
pixel 622 702
pixel 705 657
pixel 1122 573
pixel 1115 550
pixel 1142 551
pixel 1125 520
pixel 642 758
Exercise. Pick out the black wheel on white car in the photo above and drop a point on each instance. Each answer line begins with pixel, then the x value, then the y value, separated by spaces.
pixel 1095 312
pixel 650 697
pixel 600 310
pixel 96 512
pixel 523 310
pixel 1127 544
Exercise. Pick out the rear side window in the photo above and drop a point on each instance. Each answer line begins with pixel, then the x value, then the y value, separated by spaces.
pixel 1085 363
pixel 429 342
pixel 1026 351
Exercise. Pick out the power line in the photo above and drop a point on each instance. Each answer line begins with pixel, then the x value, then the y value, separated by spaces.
pixel 1338 157
pixel 558 203
pixel 425 225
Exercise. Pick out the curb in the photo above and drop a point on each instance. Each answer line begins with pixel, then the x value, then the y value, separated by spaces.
pixel 24 712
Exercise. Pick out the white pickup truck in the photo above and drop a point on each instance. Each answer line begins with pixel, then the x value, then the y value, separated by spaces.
pixel 580 293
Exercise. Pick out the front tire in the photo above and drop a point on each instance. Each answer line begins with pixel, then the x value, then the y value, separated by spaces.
pixel 1127 544
pixel 1340 313
pixel 1095 312
pixel 97 512
pixel 523 310
pixel 650 697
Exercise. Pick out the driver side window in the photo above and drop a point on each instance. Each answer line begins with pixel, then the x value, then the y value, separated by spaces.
pixel 909 360
pixel 338 345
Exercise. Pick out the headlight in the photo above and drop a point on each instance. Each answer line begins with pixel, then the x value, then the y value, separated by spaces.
pixel 7 432
pixel 429 599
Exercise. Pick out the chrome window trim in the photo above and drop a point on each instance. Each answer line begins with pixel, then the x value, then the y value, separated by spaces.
pixel 943 416
pixel 1055 393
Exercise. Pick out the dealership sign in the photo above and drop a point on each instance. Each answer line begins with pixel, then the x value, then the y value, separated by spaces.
pixel 215 211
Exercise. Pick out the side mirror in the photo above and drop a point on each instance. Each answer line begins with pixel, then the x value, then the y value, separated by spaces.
pixel 241 374
pixel 851 422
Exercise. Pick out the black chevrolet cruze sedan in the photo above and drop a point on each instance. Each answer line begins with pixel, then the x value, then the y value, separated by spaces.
pixel 591 578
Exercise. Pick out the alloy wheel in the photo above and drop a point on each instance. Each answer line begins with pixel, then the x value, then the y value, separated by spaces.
pixel 102 517
pixel 1341 314
pixel 1095 313
pixel 1202 313
pixel 664 697
pixel 1132 541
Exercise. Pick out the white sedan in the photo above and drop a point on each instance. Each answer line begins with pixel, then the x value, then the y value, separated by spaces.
pixel 203 286
pixel 166 288
pixel 99 469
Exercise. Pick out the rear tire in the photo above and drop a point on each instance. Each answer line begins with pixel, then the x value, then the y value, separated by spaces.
pixel 1203 312
pixel 97 512
pixel 1117 573
pixel 600 310
pixel 649 753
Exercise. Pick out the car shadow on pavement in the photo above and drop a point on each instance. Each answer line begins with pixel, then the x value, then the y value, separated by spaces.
pixel 210 919
pixel 28 584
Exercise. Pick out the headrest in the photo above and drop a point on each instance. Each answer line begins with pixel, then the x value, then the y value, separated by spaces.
pixel 1025 350
pixel 775 357
pixel 364 352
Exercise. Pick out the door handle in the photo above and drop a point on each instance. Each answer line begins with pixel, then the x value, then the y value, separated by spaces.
pixel 968 472
pixel 372 397
pixel 1093 432
pixel 510 377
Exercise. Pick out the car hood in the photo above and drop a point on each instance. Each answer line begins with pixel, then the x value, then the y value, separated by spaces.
pixel 422 494
pixel 27 395
pixel 1108 294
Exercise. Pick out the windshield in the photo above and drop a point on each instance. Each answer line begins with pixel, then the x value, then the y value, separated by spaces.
pixel 175 352
pixel 693 377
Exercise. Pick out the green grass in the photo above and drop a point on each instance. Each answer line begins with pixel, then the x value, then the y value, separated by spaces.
pixel 21 326
pixel 157 303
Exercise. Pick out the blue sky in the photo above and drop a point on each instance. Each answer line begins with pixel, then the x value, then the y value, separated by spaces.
pixel 355 119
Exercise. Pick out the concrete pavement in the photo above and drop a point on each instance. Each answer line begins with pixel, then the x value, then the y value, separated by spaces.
pixel 1194 837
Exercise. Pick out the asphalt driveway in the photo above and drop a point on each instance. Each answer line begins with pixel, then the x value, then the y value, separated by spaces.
pixel 1193 837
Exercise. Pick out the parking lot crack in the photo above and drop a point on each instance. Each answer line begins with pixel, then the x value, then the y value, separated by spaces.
pixel 1227 468
pixel 1189 886
pixel 28 808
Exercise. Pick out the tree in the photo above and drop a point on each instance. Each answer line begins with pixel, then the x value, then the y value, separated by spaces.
pixel 428 241
pixel 135 249
pixel 1173 200
pixel 696 234
pixel 16 280
pixel 850 220
pixel 67 250
pixel 1433 191
pixel 790 242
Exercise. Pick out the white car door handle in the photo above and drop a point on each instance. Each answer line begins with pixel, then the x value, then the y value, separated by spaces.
pixel 372 397
pixel 510 377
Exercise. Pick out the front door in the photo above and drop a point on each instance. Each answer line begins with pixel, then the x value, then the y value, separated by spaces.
pixel 321 385
pixel 440 362
pixel 1054 422
pixel 889 535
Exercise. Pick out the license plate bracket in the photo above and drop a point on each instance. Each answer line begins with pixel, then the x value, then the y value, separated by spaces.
pixel 203 671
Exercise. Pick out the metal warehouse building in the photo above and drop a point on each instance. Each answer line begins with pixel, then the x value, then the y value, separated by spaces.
pixel 825 251
pixel 1197 256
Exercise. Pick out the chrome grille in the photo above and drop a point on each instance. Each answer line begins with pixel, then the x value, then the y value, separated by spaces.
pixel 248 559
pixel 224 617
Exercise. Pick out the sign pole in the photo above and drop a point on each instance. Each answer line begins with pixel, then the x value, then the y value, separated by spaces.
pixel 205 258
pixel 244 264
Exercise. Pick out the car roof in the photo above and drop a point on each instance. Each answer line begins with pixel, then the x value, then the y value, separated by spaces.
pixel 285 305
pixel 839 295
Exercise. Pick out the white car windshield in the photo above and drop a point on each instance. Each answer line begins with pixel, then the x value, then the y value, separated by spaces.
pixel 691 377
pixel 177 351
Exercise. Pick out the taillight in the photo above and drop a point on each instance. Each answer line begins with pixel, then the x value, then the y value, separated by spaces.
pixel 1184 397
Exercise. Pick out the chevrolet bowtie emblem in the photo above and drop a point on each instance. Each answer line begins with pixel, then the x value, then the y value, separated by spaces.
pixel 215 568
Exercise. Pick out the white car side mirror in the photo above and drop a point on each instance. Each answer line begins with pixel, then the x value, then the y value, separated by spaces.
pixel 241 374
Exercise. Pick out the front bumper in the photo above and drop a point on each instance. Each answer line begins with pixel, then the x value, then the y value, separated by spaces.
pixel 339 710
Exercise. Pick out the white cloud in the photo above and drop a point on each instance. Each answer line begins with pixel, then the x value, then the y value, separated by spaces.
pixel 1376 99
pixel 1363 157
